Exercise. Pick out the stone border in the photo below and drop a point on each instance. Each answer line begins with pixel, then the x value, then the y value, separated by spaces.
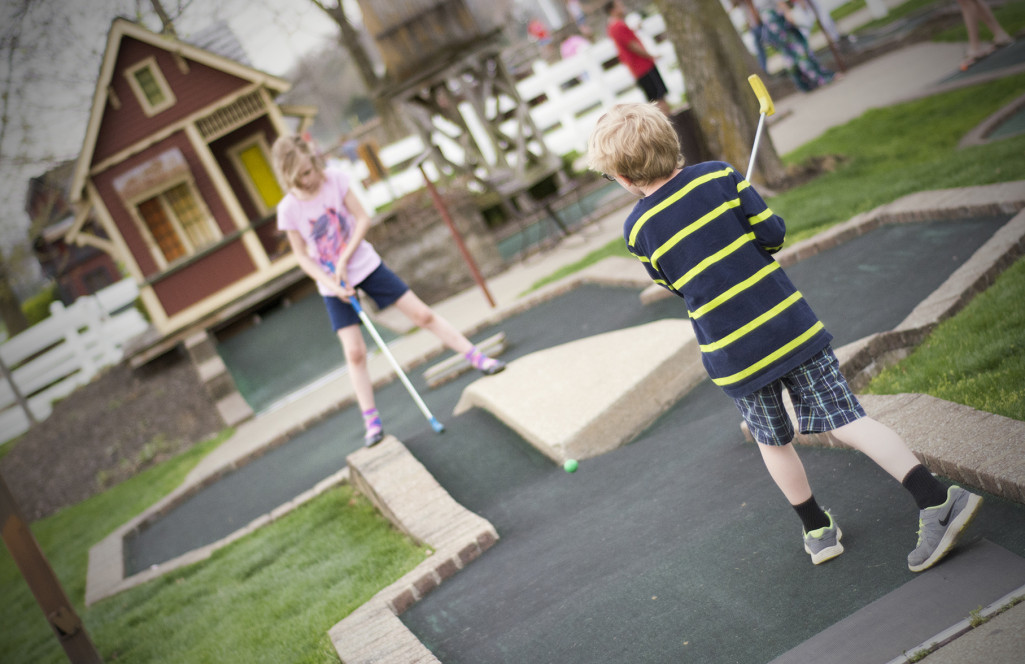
pixel 407 495
pixel 980 134
pixel 105 575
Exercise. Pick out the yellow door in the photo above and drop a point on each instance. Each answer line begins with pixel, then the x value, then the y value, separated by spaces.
pixel 261 175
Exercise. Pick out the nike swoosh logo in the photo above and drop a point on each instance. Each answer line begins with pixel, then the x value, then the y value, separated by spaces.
pixel 946 517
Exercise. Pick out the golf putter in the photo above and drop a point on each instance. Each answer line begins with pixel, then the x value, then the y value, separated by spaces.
pixel 765 108
pixel 435 424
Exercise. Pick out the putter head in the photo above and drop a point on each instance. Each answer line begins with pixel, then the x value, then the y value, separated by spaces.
pixel 437 426
pixel 765 104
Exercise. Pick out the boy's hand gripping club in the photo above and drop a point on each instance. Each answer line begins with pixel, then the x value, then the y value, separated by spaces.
pixel 765 108
pixel 435 424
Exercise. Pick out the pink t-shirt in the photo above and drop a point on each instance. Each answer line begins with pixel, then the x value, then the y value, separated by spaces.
pixel 326 225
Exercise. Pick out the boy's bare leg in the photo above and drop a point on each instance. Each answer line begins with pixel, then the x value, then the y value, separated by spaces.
pixel 880 443
pixel 787 471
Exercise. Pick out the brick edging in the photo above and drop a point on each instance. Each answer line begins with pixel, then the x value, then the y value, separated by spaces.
pixel 407 495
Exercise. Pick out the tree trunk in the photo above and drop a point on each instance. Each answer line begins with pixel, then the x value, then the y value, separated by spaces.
pixel 715 65
pixel 166 22
pixel 349 38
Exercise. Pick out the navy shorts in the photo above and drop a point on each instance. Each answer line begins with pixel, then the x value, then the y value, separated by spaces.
pixel 382 285
pixel 821 397
pixel 653 85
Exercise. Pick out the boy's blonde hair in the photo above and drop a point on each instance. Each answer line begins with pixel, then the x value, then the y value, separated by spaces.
pixel 288 153
pixel 635 140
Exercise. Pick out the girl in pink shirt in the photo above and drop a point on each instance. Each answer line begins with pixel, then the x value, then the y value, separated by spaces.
pixel 326 226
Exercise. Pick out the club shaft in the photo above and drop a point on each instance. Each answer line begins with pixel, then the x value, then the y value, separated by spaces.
pixel 754 148
pixel 394 363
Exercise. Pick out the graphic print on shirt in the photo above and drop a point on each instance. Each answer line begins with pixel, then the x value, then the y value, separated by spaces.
pixel 330 235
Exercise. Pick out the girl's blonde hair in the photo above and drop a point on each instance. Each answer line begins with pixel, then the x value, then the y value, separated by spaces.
pixel 635 140
pixel 288 154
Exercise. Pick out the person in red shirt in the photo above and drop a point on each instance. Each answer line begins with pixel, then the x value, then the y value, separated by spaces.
pixel 636 58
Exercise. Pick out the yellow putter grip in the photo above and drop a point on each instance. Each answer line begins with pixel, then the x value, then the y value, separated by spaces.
pixel 764 100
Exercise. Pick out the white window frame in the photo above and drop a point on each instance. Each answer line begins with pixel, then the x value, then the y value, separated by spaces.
pixel 158 76
pixel 159 192
pixel 234 153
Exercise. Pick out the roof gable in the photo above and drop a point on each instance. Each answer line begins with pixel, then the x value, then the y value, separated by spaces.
pixel 122 29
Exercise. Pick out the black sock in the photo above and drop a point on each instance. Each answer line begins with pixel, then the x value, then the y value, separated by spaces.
pixel 926 489
pixel 812 516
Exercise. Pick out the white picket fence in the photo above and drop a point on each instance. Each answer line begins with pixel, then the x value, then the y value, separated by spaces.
pixel 52 358
pixel 576 92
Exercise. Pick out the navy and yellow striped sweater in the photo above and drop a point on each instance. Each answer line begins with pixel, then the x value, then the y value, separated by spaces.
pixel 708 236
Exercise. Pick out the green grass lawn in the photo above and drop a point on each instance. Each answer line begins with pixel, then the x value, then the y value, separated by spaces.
pixel 269 597
pixel 976 358
pixel 892 152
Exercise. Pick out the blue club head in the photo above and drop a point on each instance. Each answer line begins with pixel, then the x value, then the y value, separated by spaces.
pixel 437 426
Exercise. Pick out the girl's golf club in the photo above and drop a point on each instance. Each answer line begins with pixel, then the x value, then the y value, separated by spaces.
pixel 435 424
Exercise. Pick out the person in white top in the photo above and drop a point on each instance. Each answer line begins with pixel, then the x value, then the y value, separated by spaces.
pixel 326 227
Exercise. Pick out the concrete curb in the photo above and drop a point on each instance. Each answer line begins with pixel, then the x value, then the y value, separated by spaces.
pixel 409 496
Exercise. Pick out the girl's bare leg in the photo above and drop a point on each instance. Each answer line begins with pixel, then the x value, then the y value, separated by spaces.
pixel 424 317
pixel 355 349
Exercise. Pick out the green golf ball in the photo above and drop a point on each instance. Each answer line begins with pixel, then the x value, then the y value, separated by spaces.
pixel 570 466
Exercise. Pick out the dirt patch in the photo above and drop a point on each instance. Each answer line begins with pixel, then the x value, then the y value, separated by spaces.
pixel 813 167
pixel 121 423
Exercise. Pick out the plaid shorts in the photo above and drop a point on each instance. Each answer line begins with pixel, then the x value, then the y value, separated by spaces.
pixel 822 401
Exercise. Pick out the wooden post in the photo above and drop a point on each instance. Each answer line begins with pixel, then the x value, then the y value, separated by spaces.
pixel 443 210
pixel 43 583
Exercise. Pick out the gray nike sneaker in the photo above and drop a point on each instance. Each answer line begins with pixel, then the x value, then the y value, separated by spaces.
pixel 940 527
pixel 824 544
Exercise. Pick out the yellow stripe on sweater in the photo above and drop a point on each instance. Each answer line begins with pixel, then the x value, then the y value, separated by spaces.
pixel 691 186
pixel 769 359
pixel 711 260
pixel 753 325
pixel 690 228
pixel 726 295
pixel 759 218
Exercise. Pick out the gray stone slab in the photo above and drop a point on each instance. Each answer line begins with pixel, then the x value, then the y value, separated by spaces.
pixel 923 607
pixel 590 396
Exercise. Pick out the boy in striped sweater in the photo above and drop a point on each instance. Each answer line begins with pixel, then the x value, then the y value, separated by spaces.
pixel 706 235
